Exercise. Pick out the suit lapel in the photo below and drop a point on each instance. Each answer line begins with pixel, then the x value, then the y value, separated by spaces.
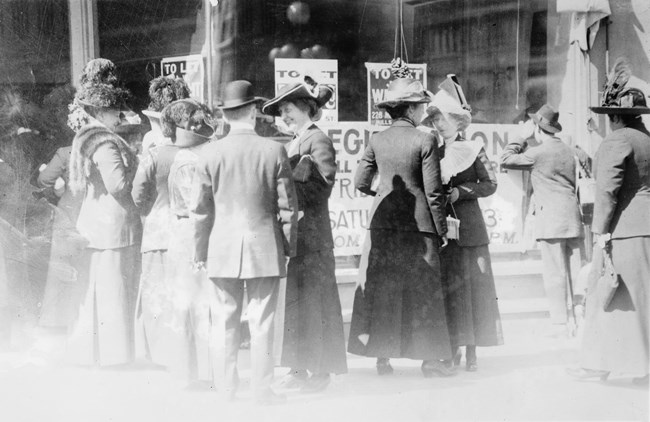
pixel 310 131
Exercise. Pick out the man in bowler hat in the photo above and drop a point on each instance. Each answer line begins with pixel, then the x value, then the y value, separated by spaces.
pixel 245 210
pixel 558 226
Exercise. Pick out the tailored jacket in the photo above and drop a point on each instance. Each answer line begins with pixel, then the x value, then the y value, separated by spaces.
pixel 58 167
pixel 314 230
pixel 108 217
pixel 477 181
pixel 151 195
pixel 622 171
pixel 244 207
pixel 553 176
pixel 410 195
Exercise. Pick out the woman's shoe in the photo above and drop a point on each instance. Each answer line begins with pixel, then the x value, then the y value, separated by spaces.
pixel 436 368
pixel 458 355
pixel 640 380
pixel 584 374
pixel 383 367
pixel 470 359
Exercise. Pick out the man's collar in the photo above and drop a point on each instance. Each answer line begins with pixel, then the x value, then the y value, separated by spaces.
pixel 241 126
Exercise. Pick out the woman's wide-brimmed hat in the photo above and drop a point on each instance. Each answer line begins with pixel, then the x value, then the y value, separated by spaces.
pixel 404 91
pixel 547 118
pixel 620 96
pixel 237 94
pixel 309 89
pixel 449 99
pixel 631 101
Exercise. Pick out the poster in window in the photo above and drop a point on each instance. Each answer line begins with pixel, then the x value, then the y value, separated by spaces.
pixel 324 72
pixel 189 68
pixel 379 76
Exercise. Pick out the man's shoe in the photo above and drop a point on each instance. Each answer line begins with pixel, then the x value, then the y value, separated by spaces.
pixel 316 383
pixel 270 398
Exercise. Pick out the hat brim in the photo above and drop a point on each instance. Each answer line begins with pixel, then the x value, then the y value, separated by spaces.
pixel 621 110
pixel 551 128
pixel 227 105
pixel 300 91
pixel 394 103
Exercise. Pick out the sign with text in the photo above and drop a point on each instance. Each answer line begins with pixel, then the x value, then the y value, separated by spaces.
pixel 189 68
pixel 379 76
pixel 350 209
pixel 324 72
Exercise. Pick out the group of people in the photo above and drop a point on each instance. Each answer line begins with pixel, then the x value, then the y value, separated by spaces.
pixel 167 245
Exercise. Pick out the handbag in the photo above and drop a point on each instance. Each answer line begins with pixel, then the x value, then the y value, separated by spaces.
pixel 608 279
pixel 453 225
pixel 585 185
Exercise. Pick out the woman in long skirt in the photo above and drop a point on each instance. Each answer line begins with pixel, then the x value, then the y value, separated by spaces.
pixel 400 312
pixel 314 342
pixel 186 296
pixel 102 167
pixel 150 194
pixel 617 334
pixel 470 295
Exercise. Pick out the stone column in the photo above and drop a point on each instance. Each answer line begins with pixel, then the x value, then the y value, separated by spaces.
pixel 84 37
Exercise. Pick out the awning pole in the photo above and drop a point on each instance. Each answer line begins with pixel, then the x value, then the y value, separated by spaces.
pixel 207 5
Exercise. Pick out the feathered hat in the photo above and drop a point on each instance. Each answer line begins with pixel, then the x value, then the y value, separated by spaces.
pixel 619 96
pixel 99 86
pixel 308 89
pixel 164 90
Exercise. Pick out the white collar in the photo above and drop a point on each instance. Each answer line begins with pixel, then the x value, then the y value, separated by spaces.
pixel 303 129
pixel 241 126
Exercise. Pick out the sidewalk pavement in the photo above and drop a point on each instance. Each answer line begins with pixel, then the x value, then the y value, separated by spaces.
pixel 523 380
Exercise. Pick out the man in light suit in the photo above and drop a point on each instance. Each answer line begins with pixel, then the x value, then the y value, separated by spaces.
pixel 558 226
pixel 245 213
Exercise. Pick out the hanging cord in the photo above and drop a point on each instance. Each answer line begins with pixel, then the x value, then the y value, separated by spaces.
pixel 396 28
pixel 405 53
pixel 517 59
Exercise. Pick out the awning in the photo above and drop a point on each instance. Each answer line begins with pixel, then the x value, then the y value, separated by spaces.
pixel 585 20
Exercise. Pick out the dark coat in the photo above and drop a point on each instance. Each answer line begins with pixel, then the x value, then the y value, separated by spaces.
pixel 151 196
pixel 622 171
pixel 409 173
pixel 245 207
pixel 314 230
pixel 553 165
pixel 477 181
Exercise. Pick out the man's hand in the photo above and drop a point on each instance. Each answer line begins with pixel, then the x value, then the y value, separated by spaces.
pixel 525 130
pixel 444 241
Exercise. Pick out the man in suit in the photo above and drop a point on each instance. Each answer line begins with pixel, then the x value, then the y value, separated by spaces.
pixel 558 226
pixel 245 210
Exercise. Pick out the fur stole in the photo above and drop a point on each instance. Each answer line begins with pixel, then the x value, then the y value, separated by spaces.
pixel 85 143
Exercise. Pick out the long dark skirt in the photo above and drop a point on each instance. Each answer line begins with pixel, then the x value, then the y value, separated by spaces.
pixel 313 325
pixel 470 296
pixel 401 304
pixel 616 339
